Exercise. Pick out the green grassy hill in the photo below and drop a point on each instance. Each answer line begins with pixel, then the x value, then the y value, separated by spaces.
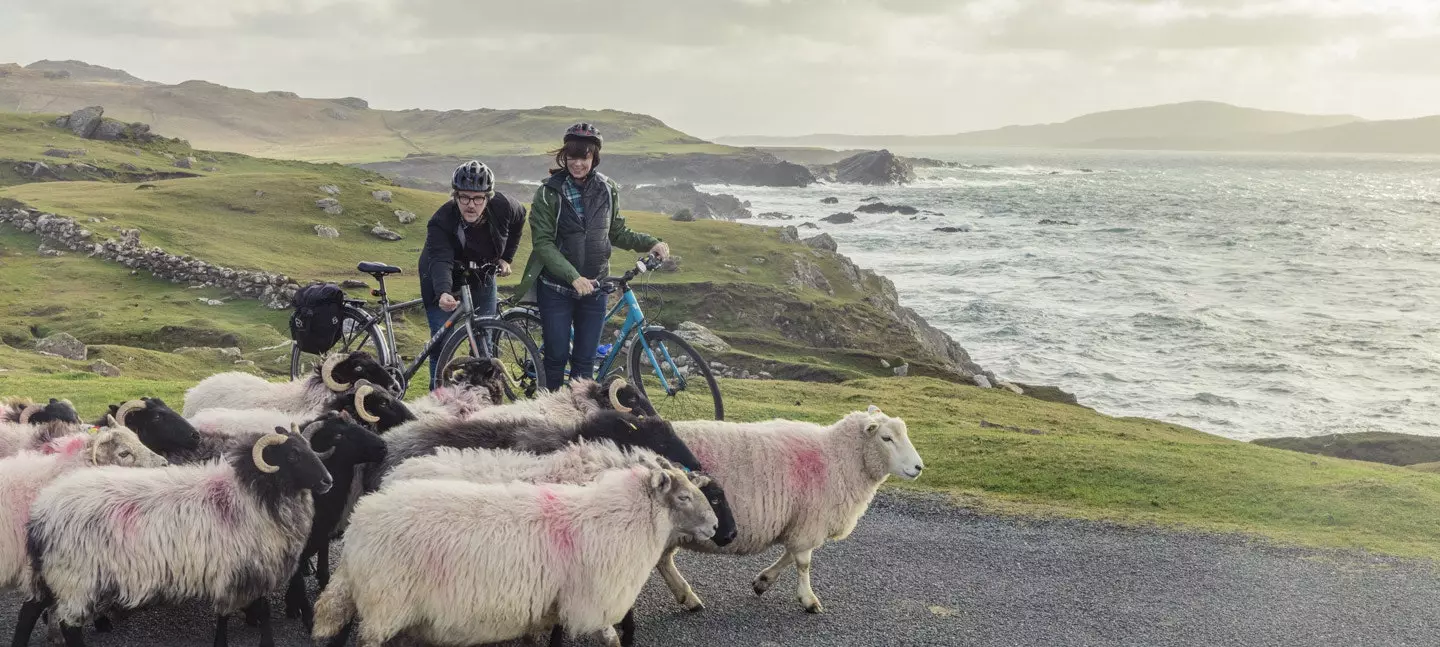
pixel 283 124
pixel 987 448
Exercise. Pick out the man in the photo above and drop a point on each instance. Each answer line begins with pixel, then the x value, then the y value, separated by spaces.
pixel 478 225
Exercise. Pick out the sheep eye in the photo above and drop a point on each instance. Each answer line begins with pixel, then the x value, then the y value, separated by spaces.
pixel 684 497
pixel 125 454
pixel 887 439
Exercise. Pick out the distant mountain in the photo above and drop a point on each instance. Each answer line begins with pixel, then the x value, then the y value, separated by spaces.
pixel 1196 125
pixel 283 124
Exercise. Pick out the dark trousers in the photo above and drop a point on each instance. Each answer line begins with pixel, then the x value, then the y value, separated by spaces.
pixel 486 301
pixel 559 313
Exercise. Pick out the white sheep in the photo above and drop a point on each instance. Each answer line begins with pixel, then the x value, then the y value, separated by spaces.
pixel 460 563
pixel 23 476
pixel 580 462
pixel 238 390
pixel 794 484
pixel 16 437
pixel 228 532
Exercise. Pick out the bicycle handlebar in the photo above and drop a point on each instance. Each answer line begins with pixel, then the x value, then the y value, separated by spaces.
pixel 646 263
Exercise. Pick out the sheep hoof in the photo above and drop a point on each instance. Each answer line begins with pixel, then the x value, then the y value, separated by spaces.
pixel 761 585
pixel 693 604
pixel 103 624
pixel 813 607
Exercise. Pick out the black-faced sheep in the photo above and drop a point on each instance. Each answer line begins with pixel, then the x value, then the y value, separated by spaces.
pixel 237 390
pixel 23 411
pixel 794 484
pixel 161 429
pixel 458 563
pixel 228 532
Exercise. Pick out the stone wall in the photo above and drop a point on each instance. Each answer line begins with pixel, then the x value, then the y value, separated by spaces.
pixel 272 290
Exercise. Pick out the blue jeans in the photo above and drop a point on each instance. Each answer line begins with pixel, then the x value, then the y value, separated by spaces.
pixel 485 304
pixel 558 313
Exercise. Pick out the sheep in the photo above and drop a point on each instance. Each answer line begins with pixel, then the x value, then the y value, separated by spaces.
pixel 227 531
pixel 161 429
pixel 16 437
pixel 459 563
pixel 376 408
pixel 24 411
pixel 238 390
pixel 22 476
pixel 793 484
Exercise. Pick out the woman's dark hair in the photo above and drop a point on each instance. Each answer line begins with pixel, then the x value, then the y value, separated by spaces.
pixel 578 149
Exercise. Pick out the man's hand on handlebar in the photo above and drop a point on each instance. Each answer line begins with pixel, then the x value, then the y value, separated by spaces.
pixel 583 286
pixel 448 303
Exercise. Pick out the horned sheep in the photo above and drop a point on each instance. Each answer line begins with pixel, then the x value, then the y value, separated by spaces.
pixel 453 562
pixel 794 484
pixel 24 411
pixel 108 536
pixel 161 428
pixel 239 390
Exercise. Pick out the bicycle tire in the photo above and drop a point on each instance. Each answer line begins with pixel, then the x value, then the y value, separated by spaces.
pixel 660 337
pixel 347 342
pixel 529 323
pixel 492 328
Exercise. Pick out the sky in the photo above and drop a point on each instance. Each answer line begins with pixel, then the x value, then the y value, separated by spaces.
pixel 772 67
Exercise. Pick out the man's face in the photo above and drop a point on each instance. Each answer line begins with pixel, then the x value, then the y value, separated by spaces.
pixel 471 203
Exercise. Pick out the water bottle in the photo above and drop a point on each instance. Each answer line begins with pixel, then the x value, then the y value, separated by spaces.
pixel 602 350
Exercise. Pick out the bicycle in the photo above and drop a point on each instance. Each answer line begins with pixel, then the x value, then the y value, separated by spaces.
pixel 669 376
pixel 483 332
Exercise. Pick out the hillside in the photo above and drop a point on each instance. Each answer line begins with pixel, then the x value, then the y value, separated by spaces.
pixel 282 124
pixel 988 448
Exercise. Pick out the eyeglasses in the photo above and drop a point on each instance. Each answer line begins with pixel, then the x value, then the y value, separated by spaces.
pixel 465 199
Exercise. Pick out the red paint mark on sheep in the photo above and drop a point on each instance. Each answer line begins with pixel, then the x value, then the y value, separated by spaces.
pixel 125 518
pixel 220 496
pixel 558 530
pixel 66 447
pixel 807 465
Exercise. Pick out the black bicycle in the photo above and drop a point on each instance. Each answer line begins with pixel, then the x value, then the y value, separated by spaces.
pixel 465 333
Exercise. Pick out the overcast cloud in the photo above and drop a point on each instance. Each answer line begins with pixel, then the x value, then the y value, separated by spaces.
pixel 717 67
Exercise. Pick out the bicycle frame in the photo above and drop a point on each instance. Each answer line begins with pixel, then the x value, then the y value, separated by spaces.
pixel 432 345
pixel 634 323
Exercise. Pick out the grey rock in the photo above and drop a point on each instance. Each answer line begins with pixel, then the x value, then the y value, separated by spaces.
pixel 881 207
pixel 982 382
pixel 63 344
pixel 259 193
pixel 404 216
pixel 354 284
pixel 953 230
pixel 902 370
pixel 670 264
pixel 326 203
pixel 244 363
pixel 821 241
pixel 683 215
pixel 334 209
pixel 775 215
pixel 672 198
pixel 85 121
pixel 109 130
pixel 379 231
pixel 788 234
pixel 884 363
pixel 103 368
pixel 60 152
pixel 230 352
pixel 324 231
pixel 1012 388
pixel 842 218
pixel 701 337
pixel 809 225
pixel 830 200
pixel 210 302
pixel 383 196
pixel 808 275
pixel 330 189
pixel 185 162
pixel 871 167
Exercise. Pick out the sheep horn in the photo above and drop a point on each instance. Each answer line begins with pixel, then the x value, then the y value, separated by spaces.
pixel 257 452
pixel 360 393
pixel 95 450
pixel 325 455
pixel 510 380
pixel 125 409
pixel 615 387
pixel 29 411
pixel 326 373
pixel 112 422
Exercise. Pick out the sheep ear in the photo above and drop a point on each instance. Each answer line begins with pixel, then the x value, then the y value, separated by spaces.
pixel 660 480
pixel 700 480
pixel 872 427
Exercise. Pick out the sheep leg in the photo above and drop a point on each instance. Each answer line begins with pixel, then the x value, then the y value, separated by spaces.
pixel 678 586
pixel 767 577
pixel 627 629
pixel 343 638
pixel 803 593
pixel 557 636
pixel 297 601
pixel 222 628
pixel 74 637
pixel 261 608
pixel 322 566
pixel 29 615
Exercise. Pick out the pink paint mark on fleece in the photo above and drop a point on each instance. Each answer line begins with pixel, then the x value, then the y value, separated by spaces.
pixel 220 495
pixel 125 518
pixel 67 447
pixel 559 531
pixel 807 465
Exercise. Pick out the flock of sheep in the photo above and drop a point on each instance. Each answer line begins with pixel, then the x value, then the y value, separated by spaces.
pixel 465 519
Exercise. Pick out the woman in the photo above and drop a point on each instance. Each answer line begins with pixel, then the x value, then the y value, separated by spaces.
pixel 574 222
pixel 478 225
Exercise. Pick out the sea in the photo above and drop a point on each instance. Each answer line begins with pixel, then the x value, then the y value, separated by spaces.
pixel 1244 295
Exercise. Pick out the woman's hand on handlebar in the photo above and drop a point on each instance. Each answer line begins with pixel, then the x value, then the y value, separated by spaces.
pixel 583 286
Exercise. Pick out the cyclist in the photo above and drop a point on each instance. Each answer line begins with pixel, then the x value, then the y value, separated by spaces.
pixel 478 225
pixel 574 222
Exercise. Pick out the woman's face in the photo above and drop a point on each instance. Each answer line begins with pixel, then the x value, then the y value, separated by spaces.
pixel 579 167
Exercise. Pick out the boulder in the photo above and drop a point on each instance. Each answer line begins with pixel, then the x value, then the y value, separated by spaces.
pixel 334 209
pixel 830 200
pixel 185 162
pixel 881 207
pixel 808 275
pixel 1048 221
pixel 379 231
pixel 60 152
pixel 354 284
pixel 404 216
pixel 788 234
pixel 953 230
pixel 85 121
pixel 872 167
pixel 821 241
pixel 103 368
pixel 683 215
pixel 809 225
pixel 110 130
pixel 330 189
pixel 383 196
pixel 902 370
pixel 842 218
pixel 324 231
pixel 701 337
pixel 775 215
pixel 63 344
pixel 672 198
pixel 326 203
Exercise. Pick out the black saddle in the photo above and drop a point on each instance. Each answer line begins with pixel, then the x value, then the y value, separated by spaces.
pixel 370 267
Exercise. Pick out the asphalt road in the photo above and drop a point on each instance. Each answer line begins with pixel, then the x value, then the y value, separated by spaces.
pixel 919 572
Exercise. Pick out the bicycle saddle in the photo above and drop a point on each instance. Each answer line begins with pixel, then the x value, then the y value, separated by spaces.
pixel 370 267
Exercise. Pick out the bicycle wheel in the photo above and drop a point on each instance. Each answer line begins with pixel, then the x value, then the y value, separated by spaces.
pixel 679 396
pixel 357 334
pixel 528 323
pixel 500 340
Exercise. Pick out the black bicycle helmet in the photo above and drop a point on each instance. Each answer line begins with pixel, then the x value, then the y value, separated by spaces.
pixel 584 130
pixel 473 176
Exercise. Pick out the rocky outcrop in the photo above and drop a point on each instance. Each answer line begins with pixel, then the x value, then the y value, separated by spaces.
pixel 701 337
pixel 881 207
pixel 63 344
pixel 272 290
pixel 872 167
pixel 379 231
pixel 822 241
pixel 84 121
pixel 325 231
pixel 830 200
pixel 674 197
pixel 775 215
pixel 90 123
pixel 405 217
pixel 953 230
pixel 382 195
pixel 842 218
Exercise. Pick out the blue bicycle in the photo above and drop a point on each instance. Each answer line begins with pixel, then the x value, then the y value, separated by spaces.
pixel 683 378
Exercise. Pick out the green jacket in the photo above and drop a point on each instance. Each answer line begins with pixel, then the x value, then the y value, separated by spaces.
pixel 545 209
